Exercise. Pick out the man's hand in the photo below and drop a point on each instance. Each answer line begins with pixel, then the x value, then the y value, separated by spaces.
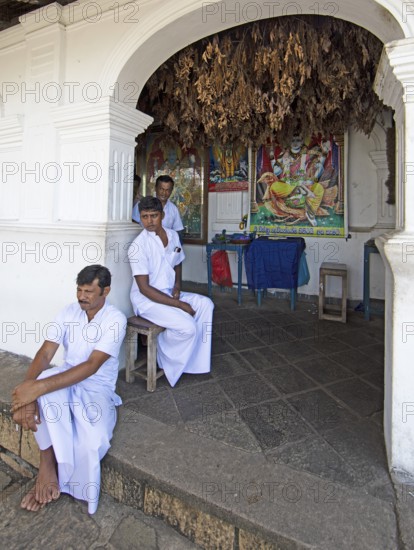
pixel 187 308
pixel 25 393
pixel 176 293
pixel 28 416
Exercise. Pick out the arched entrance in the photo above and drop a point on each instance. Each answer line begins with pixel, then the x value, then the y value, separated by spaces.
pixel 138 56
pixel 93 124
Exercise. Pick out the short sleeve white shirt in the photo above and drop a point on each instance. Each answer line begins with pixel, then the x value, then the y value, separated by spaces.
pixel 79 337
pixel 148 256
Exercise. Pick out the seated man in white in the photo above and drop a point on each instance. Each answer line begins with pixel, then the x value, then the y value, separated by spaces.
pixel 164 186
pixel 71 409
pixel 155 257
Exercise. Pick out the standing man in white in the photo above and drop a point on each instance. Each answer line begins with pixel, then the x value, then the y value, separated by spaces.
pixel 164 186
pixel 71 409
pixel 155 257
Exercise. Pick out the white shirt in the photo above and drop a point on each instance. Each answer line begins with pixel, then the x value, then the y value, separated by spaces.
pixel 148 256
pixel 80 338
pixel 171 220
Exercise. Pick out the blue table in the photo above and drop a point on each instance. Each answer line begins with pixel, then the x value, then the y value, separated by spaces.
pixel 274 263
pixel 369 248
pixel 232 247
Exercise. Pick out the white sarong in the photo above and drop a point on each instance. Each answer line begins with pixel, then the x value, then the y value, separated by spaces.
pixel 78 421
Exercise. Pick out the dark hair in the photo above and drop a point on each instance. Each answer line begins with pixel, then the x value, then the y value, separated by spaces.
pixel 92 272
pixel 164 179
pixel 150 203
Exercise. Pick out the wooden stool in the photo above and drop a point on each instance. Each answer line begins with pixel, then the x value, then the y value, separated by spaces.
pixel 135 326
pixel 332 312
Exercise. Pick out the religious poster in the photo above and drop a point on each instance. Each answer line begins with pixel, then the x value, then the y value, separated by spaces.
pixel 299 188
pixel 186 167
pixel 228 168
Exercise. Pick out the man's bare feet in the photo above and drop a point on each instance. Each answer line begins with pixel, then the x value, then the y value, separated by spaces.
pixel 29 501
pixel 47 485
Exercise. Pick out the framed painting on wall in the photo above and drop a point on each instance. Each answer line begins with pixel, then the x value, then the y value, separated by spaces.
pixel 228 168
pixel 300 188
pixel 187 168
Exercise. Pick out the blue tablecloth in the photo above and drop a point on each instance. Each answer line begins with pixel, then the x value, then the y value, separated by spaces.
pixel 273 263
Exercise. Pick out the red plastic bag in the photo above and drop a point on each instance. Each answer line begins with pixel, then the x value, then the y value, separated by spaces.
pixel 221 274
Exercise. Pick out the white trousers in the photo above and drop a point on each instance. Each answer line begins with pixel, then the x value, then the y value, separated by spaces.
pixel 185 345
pixel 78 422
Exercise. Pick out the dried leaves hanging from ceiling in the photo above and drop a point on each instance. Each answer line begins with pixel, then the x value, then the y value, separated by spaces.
pixel 267 80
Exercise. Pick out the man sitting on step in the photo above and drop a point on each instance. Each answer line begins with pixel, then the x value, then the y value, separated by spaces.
pixel 71 409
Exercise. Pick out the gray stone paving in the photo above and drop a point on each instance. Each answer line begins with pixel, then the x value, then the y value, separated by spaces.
pixel 288 398
pixel 66 523
pixel 280 378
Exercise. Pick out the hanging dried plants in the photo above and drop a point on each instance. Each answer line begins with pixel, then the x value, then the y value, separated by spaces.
pixel 266 80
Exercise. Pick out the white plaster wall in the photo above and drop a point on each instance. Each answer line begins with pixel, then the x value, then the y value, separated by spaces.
pixel 38 277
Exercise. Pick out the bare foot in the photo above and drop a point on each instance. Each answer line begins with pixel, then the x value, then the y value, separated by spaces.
pixel 47 484
pixel 30 503
pixel 46 488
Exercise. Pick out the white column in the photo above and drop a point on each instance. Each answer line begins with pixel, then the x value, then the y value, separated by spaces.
pixel 83 215
pixel 395 86
pixel 97 147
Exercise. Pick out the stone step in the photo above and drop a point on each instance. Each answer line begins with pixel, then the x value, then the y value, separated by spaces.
pixel 219 496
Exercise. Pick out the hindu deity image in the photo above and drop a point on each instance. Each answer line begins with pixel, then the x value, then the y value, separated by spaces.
pixel 298 184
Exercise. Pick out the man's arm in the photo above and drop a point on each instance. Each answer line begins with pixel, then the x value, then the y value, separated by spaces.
pixel 28 416
pixel 177 285
pixel 31 389
pixel 41 360
pixel 159 297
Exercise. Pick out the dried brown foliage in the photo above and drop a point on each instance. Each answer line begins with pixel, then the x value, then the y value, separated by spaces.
pixel 266 80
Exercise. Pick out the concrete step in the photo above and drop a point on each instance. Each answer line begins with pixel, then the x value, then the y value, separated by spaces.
pixel 219 496
pixel 113 526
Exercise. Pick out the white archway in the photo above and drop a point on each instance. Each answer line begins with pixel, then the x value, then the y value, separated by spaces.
pixel 81 216
pixel 393 24
pixel 177 24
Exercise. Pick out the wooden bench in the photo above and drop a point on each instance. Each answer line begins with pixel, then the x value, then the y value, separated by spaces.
pixel 332 313
pixel 138 325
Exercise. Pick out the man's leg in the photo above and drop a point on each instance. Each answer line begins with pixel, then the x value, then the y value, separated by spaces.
pixel 52 419
pixel 46 488
pixel 199 361
pixel 175 345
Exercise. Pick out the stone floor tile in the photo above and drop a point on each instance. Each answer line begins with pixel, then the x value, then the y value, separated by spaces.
pixel 263 358
pixel 356 338
pixel 326 343
pixel 158 405
pixel 287 379
pixel 323 370
pixel 316 456
pixel 320 410
pixel 229 364
pixel 200 400
pixel 220 345
pixel 244 341
pixel 225 426
pixel 375 351
pixel 355 361
pixel 362 398
pixel 295 351
pixel 247 389
pixel 302 331
pixel 274 424
pixel 361 445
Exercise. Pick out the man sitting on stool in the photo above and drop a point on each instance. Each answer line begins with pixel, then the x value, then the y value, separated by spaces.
pixel 155 257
